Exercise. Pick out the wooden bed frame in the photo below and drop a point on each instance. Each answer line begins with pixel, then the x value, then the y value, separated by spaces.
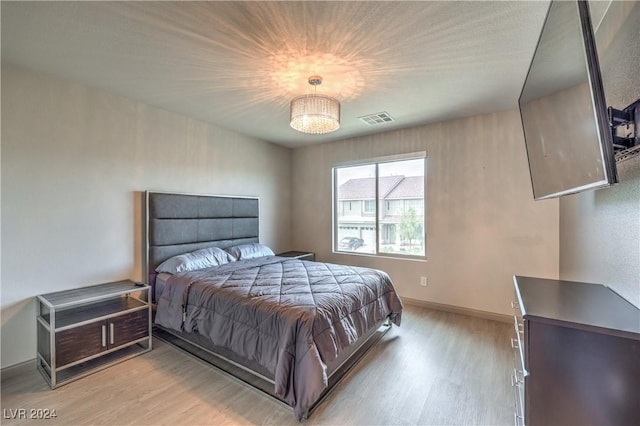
pixel 181 223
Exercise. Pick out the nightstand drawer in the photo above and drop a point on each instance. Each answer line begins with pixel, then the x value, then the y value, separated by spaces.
pixel 129 327
pixel 80 342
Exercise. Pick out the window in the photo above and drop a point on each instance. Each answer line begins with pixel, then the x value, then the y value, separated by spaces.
pixel 391 217
pixel 369 207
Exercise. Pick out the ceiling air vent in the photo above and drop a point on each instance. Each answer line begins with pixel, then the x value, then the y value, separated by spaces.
pixel 377 118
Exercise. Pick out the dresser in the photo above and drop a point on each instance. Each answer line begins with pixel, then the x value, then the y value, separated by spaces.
pixel 576 354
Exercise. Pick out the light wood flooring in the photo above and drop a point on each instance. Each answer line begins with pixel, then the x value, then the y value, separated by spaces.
pixel 438 368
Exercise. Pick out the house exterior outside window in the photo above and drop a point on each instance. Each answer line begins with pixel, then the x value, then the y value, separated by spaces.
pixel 395 224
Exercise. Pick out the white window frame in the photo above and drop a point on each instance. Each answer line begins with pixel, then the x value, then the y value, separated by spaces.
pixel 376 161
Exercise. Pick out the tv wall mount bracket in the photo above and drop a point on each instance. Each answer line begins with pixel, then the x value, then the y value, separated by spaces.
pixel 625 131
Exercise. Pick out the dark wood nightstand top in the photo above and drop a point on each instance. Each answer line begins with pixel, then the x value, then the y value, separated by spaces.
pixel 306 255
pixel 84 295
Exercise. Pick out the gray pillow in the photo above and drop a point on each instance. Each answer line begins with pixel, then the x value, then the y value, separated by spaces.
pixel 199 259
pixel 250 251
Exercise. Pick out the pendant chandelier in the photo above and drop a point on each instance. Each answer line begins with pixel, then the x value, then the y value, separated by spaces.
pixel 315 114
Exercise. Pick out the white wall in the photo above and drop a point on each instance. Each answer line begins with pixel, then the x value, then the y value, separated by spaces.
pixel 600 230
pixel 482 223
pixel 74 163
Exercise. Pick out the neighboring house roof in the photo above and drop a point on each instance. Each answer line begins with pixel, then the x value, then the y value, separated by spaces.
pixel 410 187
pixel 391 187
pixel 365 188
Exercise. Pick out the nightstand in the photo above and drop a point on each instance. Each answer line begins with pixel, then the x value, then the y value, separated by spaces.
pixel 84 330
pixel 302 255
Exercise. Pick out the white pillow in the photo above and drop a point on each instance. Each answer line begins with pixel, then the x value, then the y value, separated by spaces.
pixel 199 259
pixel 250 251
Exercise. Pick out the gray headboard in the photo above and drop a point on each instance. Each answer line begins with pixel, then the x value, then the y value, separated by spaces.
pixel 181 223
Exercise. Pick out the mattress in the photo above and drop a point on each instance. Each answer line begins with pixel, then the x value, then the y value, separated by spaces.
pixel 292 317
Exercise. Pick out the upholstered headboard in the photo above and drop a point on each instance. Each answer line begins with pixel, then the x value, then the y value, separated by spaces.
pixel 181 223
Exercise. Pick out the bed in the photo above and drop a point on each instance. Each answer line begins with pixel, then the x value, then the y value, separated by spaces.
pixel 289 327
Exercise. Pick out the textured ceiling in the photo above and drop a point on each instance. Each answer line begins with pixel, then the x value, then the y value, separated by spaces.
pixel 238 64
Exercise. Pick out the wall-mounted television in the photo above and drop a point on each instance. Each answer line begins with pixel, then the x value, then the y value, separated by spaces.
pixel 563 110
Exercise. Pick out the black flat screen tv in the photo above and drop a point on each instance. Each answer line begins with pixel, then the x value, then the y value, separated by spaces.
pixel 563 109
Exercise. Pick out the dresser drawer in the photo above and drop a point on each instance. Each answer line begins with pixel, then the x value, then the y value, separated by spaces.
pixel 518 341
pixel 518 383
pixel 519 373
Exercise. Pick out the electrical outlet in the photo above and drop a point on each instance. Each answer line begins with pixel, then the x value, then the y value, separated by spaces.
pixel 423 281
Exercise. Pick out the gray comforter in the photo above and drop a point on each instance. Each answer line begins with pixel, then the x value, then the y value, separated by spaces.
pixel 290 316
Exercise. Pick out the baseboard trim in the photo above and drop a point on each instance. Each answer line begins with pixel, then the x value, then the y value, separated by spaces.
pixel 18 369
pixel 459 310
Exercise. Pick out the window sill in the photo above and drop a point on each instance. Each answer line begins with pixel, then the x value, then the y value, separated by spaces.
pixel 383 256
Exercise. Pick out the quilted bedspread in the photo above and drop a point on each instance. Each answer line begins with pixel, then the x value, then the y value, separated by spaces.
pixel 290 316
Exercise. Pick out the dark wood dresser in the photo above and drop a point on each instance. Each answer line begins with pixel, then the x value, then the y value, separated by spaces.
pixel 577 352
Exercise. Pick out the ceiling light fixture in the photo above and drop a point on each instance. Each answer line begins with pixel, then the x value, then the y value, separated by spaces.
pixel 315 114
